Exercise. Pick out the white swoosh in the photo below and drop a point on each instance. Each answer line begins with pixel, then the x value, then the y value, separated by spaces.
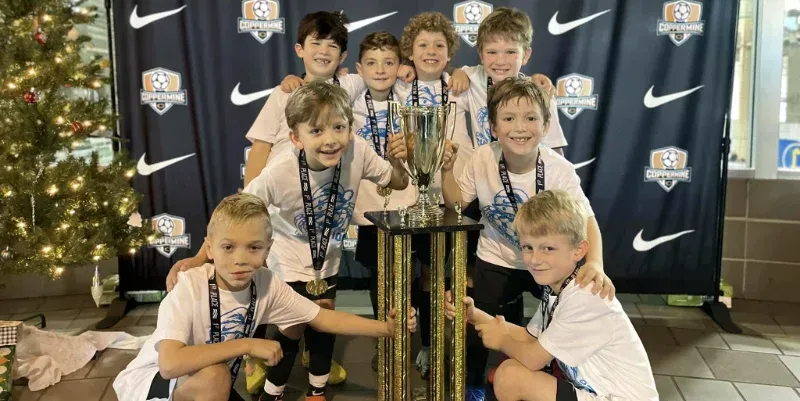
pixel 556 28
pixel 643 246
pixel 138 22
pixel 146 169
pixel 239 99
pixel 583 164
pixel 364 22
pixel 652 102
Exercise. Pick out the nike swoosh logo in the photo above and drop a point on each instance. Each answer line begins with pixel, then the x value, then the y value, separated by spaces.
pixel 240 99
pixel 643 246
pixel 652 102
pixel 146 169
pixel 557 28
pixel 583 164
pixel 364 22
pixel 137 22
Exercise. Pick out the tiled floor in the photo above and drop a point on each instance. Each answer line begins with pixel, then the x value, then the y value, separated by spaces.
pixel 691 358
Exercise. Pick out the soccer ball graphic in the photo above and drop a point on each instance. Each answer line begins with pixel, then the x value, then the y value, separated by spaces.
pixel 573 86
pixel 165 225
pixel 669 159
pixel 160 81
pixel 261 9
pixel 473 12
pixel 681 11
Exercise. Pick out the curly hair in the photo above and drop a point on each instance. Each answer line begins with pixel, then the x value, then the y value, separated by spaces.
pixel 430 21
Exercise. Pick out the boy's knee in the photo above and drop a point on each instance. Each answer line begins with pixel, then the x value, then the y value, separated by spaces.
pixel 507 375
pixel 210 383
pixel 217 376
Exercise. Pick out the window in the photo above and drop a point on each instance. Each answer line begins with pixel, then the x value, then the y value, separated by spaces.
pixel 789 110
pixel 741 99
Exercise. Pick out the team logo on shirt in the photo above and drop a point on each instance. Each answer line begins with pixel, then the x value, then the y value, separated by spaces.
pixel 341 213
pixel 467 17
pixel 246 155
pixel 681 20
pixel 260 19
pixel 668 167
pixel 574 94
pixel 173 234
pixel 484 131
pixel 161 89
pixel 380 115
pixel 501 213
pixel 232 325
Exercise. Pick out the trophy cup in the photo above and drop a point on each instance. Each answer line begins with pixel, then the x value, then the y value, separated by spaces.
pixel 425 129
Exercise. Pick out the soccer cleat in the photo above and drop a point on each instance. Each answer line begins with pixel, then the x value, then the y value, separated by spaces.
pixel 337 376
pixel 315 393
pixel 424 362
pixel 255 375
pixel 475 394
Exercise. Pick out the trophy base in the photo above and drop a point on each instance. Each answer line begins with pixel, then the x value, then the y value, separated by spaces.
pixel 425 212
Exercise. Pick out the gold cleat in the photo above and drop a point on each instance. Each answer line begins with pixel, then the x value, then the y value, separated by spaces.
pixel 337 376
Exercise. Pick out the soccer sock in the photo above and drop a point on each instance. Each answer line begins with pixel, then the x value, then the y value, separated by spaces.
pixel 278 375
pixel 320 349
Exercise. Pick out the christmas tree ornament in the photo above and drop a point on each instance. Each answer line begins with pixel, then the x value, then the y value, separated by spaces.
pixel 73 34
pixel 40 37
pixel 77 127
pixel 97 287
pixel 31 96
pixel 104 63
pixel 5 254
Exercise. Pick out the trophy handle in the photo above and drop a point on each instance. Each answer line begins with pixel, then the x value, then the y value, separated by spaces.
pixel 392 110
pixel 440 154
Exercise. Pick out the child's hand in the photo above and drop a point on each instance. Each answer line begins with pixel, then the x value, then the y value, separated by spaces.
pixel 342 71
pixel 268 350
pixel 290 83
pixel 459 81
pixel 406 73
pixel 592 272
pixel 450 309
pixel 449 158
pixel 397 147
pixel 493 333
pixel 181 266
pixel 545 83
pixel 411 323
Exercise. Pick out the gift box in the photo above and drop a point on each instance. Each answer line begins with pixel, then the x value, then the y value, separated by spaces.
pixel 9 336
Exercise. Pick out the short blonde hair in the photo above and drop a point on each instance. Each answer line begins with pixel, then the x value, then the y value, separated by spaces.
pixel 508 23
pixel 431 21
pixel 315 101
pixel 515 88
pixel 237 209
pixel 552 212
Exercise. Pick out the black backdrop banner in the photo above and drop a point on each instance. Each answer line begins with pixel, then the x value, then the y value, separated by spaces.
pixel 643 89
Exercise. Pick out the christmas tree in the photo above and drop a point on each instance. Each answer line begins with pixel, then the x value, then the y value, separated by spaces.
pixel 57 212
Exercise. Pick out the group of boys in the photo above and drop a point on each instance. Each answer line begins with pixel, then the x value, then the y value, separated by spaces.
pixel 323 153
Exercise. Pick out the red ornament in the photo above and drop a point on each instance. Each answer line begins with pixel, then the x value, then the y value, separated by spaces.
pixel 77 127
pixel 40 37
pixel 31 97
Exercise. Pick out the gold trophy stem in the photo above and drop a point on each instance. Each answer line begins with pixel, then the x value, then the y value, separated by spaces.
pixel 384 343
pixel 459 327
pixel 436 381
pixel 401 352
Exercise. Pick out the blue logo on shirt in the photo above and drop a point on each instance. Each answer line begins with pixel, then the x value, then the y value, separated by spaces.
pixel 341 214
pixel 484 133
pixel 427 97
pixel 366 131
pixel 232 323
pixel 501 213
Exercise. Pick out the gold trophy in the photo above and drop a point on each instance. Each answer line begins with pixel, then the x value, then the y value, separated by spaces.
pixel 425 129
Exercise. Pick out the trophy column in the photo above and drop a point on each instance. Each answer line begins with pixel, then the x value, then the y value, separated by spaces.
pixel 395 274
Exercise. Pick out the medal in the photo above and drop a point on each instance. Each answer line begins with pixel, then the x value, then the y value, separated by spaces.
pixel 316 287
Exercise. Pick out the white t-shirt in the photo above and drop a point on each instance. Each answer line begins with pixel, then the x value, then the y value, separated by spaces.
pixel 270 125
pixel 430 94
pixel 498 243
pixel 596 347
pixel 479 114
pixel 279 186
pixel 368 198
pixel 184 316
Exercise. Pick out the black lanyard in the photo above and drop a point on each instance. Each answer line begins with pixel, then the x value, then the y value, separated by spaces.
pixel 373 124
pixel 507 182
pixel 216 326
pixel 335 79
pixel 415 93
pixel 318 254
pixel 548 317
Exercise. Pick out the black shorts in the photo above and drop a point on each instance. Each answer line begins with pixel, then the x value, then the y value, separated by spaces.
pixel 300 288
pixel 565 391
pixel 367 248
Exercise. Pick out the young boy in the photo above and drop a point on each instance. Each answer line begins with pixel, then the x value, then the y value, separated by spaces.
pixel 205 323
pixel 502 175
pixel 591 338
